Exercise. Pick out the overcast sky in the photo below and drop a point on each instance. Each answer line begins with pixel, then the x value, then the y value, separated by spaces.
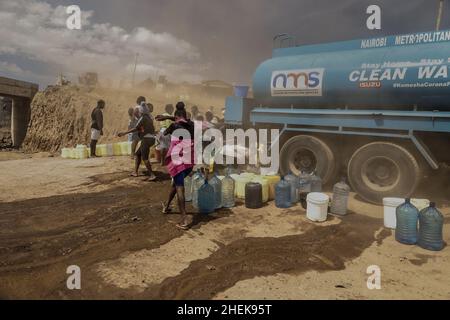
pixel 185 39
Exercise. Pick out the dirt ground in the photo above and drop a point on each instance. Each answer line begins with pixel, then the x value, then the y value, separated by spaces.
pixel 55 213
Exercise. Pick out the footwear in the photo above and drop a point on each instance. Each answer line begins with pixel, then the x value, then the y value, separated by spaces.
pixel 152 177
pixel 165 210
pixel 182 226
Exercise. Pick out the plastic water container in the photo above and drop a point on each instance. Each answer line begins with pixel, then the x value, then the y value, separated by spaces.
pixel 228 186
pixel 123 148
pixel 420 204
pixel 73 153
pixel 265 187
pixel 117 149
pixel 215 182
pixel 390 211
pixel 272 180
pixel 65 153
pixel 250 175
pixel 304 187
pixel 188 189
pixel 206 199
pixel 253 195
pixel 317 206
pixel 129 148
pixel 241 91
pixel 241 181
pixel 304 183
pixel 316 183
pixel 341 191
pixel 407 219
pixel 293 181
pixel 109 150
pixel 234 176
pixel 197 181
pixel 101 150
pixel 431 223
pixel 82 151
pixel 283 194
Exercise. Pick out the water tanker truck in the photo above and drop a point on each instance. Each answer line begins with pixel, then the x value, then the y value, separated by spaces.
pixel 377 109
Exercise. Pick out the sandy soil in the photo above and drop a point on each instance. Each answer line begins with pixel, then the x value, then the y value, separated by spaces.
pixel 55 213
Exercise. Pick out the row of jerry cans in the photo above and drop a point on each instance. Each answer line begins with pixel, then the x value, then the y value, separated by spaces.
pixel 424 228
pixel 102 150
pixel 80 152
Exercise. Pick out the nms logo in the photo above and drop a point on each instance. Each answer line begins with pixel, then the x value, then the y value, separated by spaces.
pixel 294 83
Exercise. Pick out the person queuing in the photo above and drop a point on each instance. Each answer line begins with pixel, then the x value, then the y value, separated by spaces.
pixel 164 141
pixel 96 126
pixel 194 111
pixel 146 131
pixel 178 169
pixel 209 117
pixel 133 113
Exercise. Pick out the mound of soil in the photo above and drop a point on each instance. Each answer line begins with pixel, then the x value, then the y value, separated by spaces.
pixel 60 115
pixel 58 119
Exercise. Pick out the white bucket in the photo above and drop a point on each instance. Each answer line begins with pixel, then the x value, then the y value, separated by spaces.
pixel 317 206
pixel 390 211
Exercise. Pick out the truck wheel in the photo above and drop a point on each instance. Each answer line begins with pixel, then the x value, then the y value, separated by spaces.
pixel 307 153
pixel 382 169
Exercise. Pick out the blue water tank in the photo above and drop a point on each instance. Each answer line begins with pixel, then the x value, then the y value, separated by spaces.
pixel 395 71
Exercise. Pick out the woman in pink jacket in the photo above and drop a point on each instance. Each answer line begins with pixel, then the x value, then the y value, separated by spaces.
pixel 180 161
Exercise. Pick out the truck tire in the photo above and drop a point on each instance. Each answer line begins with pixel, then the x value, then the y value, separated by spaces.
pixel 382 169
pixel 307 153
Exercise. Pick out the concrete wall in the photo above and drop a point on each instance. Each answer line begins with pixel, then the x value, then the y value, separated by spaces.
pixel 5 114
pixel 22 94
pixel 20 117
